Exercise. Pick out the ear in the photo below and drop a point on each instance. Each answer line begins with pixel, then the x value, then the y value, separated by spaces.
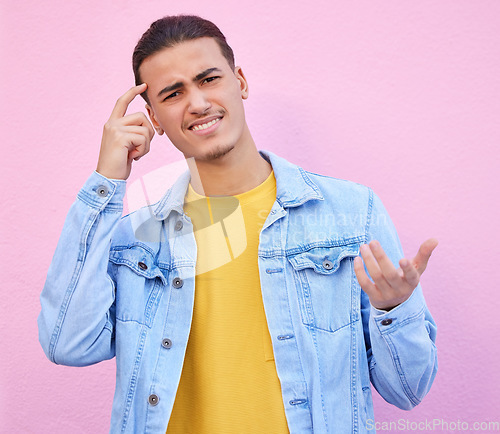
pixel 238 72
pixel 155 123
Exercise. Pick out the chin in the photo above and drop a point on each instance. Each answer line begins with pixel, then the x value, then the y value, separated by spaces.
pixel 216 153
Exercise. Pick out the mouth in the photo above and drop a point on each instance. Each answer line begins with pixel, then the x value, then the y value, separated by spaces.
pixel 205 126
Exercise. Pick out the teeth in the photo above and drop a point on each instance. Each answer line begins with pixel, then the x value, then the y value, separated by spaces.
pixel 205 126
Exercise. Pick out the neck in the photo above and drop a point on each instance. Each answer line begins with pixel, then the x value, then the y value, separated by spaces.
pixel 239 171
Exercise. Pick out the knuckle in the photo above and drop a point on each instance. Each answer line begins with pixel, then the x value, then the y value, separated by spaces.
pixel 110 126
pixel 378 253
pixel 121 99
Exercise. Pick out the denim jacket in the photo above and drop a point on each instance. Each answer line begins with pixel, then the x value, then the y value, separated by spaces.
pixel 124 287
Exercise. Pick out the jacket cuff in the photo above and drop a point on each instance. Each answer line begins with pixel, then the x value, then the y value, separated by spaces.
pixel 387 321
pixel 100 192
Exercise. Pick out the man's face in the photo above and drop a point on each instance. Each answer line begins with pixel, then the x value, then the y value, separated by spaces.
pixel 197 99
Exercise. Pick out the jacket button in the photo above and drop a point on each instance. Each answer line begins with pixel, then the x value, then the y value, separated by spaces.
pixel 385 322
pixel 166 343
pixel 177 282
pixel 178 225
pixel 142 266
pixel 153 399
pixel 102 191
pixel 327 265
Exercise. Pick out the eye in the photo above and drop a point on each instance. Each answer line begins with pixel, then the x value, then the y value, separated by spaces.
pixel 210 79
pixel 172 95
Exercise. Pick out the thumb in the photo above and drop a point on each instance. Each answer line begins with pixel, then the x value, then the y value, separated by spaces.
pixel 424 253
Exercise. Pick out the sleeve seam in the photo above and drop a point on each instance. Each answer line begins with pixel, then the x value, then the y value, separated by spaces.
pixel 402 378
pixel 369 212
pixel 71 287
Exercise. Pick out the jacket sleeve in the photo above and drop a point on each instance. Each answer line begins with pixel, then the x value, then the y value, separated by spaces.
pixel 401 346
pixel 76 323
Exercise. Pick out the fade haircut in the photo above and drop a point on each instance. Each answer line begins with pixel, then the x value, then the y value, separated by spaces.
pixel 171 30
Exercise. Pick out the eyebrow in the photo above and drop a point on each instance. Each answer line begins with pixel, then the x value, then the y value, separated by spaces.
pixel 180 84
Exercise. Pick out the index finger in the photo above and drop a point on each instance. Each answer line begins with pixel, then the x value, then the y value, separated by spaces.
pixel 123 102
pixel 386 266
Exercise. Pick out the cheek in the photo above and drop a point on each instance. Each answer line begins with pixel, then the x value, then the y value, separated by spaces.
pixel 170 121
pixel 236 101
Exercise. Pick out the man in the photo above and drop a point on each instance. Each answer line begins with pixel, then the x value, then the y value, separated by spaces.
pixel 285 329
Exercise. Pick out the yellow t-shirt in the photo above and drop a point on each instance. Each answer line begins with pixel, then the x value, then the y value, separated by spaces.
pixel 229 382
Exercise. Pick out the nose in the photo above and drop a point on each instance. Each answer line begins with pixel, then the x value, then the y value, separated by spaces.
pixel 198 102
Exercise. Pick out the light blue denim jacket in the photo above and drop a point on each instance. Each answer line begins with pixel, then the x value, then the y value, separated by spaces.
pixel 124 287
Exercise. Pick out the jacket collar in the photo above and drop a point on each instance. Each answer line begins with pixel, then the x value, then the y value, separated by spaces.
pixel 294 187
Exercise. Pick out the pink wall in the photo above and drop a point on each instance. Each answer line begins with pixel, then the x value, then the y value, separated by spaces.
pixel 401 96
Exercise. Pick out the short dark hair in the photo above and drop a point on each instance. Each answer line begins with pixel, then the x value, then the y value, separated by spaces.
pixel 171 30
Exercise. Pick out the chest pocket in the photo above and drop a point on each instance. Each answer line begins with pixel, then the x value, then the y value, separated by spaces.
pixel 327 286
pixel 139 284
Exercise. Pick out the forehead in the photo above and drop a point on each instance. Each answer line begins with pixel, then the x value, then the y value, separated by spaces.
pixel 183 61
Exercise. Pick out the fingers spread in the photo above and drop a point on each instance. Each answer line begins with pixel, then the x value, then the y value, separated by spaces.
pixel 410 273
pixel 390 286
pixel 373 268
pixel 386 266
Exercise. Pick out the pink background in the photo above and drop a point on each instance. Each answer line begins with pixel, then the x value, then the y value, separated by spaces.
pixel 402 96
